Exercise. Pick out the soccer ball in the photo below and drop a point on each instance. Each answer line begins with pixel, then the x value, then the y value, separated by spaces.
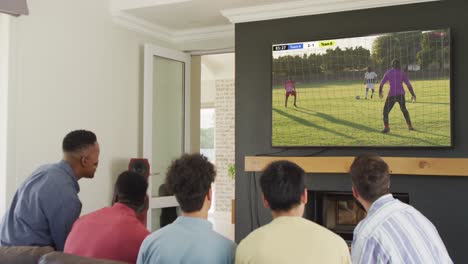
pixel 358 97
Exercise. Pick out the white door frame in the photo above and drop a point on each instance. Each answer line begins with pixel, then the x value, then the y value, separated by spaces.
pixel 5 57
pixel 149 52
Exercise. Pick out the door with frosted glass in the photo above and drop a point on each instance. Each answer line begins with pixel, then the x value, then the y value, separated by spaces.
pixel 165 128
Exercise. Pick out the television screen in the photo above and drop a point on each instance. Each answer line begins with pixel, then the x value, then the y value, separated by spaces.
pixel 386 90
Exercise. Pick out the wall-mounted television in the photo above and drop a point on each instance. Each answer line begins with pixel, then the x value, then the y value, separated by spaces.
pixel 385 90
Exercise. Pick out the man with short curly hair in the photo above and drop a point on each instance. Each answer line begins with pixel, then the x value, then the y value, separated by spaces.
pixel 46 205
pixel 190 239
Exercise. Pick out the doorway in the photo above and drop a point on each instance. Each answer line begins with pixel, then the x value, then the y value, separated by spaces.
pixel 217 121
pixel 165 124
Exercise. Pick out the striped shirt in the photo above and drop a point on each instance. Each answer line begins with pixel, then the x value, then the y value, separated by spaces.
pixel 370 77
pixel 394 232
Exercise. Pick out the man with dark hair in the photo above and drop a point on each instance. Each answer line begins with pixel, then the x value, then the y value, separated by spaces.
pixel 289 238
pixel 190 239
pixel 392 231
pixel 396 77
pixel 46 205
pixel 115 232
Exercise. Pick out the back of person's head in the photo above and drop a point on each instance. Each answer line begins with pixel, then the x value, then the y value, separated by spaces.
pixel 396 64
pixel 189 178
pixel 131 188
pixel 283 183
pixel 370 176
pixel 78 140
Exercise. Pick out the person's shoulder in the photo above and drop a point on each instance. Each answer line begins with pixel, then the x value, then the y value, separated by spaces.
pixel 96 213
pixel 256 235
pixel 168 231
pixel 326 237
pixel 249 244
pixel 138 228
pixel 92 216
pixel 221 240
pixel 47 181
pixel 148 242
pixel 418 216
pixel 54 172
pixel 312 227
pixel 151 238
pixel 373 224
pixel 45 170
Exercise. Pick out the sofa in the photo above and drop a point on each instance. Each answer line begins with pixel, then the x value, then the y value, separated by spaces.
pixel 44 255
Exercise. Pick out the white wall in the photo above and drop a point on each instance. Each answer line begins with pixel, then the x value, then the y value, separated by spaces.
pixel 74 68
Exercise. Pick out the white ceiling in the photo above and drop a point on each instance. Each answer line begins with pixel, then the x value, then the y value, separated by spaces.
pixel 194 14
pixel 218 66
pixel 188 24
pixel 214 67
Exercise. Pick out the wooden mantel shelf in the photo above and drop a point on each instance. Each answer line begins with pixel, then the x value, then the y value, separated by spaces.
pixel 398 165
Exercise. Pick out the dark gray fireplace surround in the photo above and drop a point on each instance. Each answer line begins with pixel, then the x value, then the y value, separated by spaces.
pixel 441 199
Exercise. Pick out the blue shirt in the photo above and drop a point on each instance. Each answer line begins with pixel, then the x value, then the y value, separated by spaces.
pixel 187 240
pixel 395 232
pixel 43 209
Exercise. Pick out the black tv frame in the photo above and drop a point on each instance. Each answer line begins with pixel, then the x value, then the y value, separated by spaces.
pixel 325 147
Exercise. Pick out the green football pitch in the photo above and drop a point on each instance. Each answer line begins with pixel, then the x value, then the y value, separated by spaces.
pixel 330 114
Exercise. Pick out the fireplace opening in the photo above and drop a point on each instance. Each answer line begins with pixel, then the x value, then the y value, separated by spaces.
pixel 338 211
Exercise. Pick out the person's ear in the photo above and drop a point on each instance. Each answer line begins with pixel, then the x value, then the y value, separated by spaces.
pixel 83 161
pixel 265 202
pixel 355 192
pixel 304 197
pixel 115 198
pixel 144 207
pixel 209 194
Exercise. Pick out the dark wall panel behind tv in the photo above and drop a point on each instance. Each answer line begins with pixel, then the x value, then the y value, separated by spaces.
pixel 441 199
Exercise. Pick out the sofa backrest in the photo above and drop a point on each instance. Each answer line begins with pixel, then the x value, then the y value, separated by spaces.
pixel 62 258
pixel 23 255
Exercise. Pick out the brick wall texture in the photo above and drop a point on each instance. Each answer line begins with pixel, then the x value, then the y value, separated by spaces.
pixel 224 143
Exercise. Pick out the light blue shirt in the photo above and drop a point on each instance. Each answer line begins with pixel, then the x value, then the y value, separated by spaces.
pixel 43 209
pixel 395 232
pixel 187 240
